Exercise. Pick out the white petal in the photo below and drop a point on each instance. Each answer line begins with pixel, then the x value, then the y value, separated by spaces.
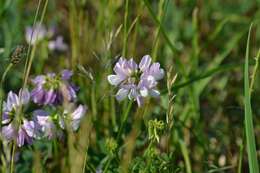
pixel 12 100
pixel 115 79
pixel 154 93
pixel 79 112
pixel 122 94
pixel 144 92
pixel 75 125
pixel 145 62
pixel 24 96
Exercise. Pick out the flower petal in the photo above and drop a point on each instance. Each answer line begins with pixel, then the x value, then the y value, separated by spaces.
pixel 145 63
pixel 122 94
pixel 154 93
pixel 115 79
pixel 66 74
pixel 24 96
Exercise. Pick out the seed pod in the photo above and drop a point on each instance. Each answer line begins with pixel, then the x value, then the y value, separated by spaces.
pixel 18 54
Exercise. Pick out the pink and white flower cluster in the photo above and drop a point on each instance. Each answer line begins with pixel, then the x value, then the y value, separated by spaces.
pixel 136 81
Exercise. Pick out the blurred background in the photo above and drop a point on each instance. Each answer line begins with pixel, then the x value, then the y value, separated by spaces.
pixel 203 42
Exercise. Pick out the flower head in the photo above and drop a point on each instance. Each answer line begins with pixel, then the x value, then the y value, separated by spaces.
pixel 46 124
pixel 58 44
pixel 15 126
pixel 136 81
pixel 35 34
pixel 53 89
pixel 73 118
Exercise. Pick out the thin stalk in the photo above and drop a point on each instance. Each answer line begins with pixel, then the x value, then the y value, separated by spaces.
pixel 125 116
pixel 1 90
pixel 160 17
pixel 29 48
pixel 93 102
pixel 249 126
pixel 241 152
pixel 125 28
pixel 34 47
pixel 254 71
pixel 12 159
pixel 85 162
pixel 107 164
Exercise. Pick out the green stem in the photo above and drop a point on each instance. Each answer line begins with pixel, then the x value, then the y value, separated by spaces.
pixel 125 28
pixel 12 161
pixel 1 90
pixel 107 164
pixel 29 48
pixel 125 116
pixel 28 68
pixel 254 71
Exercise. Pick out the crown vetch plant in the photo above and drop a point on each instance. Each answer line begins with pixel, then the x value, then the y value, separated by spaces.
pixel 136 81
pixel 51 90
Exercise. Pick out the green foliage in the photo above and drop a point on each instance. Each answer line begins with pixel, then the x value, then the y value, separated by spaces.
pixel 202 122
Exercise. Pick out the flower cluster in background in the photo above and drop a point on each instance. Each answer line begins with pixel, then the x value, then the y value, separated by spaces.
pixel 39 32
pixel 136 81
pixel 54 97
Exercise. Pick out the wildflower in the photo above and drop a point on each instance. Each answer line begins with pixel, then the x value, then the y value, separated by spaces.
pixel 53 89
pixel 136 81
pixel 74 118
pixel 16 127
pixel 46 124
pixel 58 44
pixel 35 34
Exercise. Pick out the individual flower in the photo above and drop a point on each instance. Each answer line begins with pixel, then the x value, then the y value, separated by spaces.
pixel 73 118
pixel 51 125
pixel 136 81
pixel 15 126
pixel 53 89
pixel 35 34
pixel 46 124
pixel 58 44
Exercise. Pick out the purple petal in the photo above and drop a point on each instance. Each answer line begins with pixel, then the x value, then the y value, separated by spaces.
pixel 24 96
pixel 66 74
pixel 76 116
pixel 8 132
pixel 58 44
pixel 154 93
pixel 39 80
pixel 145 63
pixel 122 94
pixel 49 97
pixel 132 65
pixel 79 112
pixel 30 128
pixel 115 79
pixel 12 100
pixel 37 95
pixel 156 71
pixel 21 137
pixel 139 101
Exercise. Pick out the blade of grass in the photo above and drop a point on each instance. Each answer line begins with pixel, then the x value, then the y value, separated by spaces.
pixel 125 29
pixel 209 73
pixel 185 153
pixel 250 138
pixel 172 46
pixel 218 59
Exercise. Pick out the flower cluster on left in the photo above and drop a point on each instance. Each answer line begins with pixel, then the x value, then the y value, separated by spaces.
pixel 53 100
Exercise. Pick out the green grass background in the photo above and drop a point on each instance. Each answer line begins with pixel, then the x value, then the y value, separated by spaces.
pixel 203 42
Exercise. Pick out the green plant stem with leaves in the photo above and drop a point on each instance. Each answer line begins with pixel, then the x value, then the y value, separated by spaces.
pixel 249 127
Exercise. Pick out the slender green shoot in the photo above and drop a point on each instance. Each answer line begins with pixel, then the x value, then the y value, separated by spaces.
pixel 250 137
